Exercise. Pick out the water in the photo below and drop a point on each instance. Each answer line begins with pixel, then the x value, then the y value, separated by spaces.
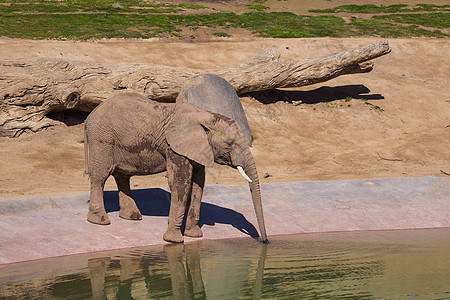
pixel 352 265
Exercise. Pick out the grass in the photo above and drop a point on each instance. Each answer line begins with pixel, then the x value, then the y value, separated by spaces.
pixel 85 26
pixel 374 27
pixel 366 102
pixel 88 5
pixel 436 20
pixel 366 8
pixel 221 34
pixel 342 103
pixel 257 7
pixel 288 25
pixel 382 9
pixel 99 6
pixel 431 7
pixel 84 19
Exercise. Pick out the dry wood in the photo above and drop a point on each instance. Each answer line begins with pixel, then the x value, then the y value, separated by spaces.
pixel 31 89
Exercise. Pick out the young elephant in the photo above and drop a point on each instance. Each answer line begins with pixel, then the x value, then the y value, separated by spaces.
pixel 130 135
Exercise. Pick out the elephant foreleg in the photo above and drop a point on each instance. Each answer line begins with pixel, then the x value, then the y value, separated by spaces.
pixel 128 208
pixel 179 173
pixel 193 215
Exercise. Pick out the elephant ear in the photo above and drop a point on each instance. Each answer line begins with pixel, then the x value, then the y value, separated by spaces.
pixel 186 136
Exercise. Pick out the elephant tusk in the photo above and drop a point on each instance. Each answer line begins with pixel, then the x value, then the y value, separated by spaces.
pixel 241 170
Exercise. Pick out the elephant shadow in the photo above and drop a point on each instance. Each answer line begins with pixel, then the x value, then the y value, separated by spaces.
pixel 156 202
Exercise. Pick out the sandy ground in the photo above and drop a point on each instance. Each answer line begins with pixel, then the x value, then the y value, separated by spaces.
pixel 316 140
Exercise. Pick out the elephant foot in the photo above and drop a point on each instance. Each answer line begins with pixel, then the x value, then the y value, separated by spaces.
pixel 130 214
pixel 194 232
pixel 97 217
pixel 173 236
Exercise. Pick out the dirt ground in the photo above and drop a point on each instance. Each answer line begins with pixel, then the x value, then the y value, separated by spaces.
pixel 298 134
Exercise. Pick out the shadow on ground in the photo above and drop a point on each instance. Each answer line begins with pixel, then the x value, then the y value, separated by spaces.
pixel 156 202
pixel 322 94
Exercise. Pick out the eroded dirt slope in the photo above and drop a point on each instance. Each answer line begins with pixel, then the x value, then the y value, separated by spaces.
pixel 402 131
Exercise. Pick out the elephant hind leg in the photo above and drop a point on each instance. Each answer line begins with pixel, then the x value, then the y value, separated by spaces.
pixel 97 213
pixel 128 208
pixel 100 166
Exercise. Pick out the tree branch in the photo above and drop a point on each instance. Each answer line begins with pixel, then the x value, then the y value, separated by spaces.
pixel 31 89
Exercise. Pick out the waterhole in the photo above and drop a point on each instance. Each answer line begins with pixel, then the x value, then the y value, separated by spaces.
pixel 413 264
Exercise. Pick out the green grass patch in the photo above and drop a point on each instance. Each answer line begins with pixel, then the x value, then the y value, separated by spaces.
pixel 436 20
pixel 374 27
pixel 86 26
pixel 341 103
pixel 371 105
pixel 382 9
pixel 366 8
pixel 83 19
pixel 289 25
pixel 221 34
pixel 99 6
pixel 431 7
pixel 257 7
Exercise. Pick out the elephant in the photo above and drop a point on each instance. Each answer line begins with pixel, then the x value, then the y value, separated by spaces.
pixel 128 135
pixel 215 94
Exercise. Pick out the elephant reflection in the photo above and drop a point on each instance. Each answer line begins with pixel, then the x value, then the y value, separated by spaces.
pixel 97 271
pixel 186 280
pixel 146 277
pixel 98 268
pixel 185 285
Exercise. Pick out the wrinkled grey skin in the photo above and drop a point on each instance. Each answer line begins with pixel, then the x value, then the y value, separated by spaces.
pixel 215 94
pixel 130 135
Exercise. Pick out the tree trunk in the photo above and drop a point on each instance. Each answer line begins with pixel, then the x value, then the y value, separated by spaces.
pixel 31 89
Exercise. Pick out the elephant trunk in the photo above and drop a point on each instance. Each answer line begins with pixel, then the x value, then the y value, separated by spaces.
pixel 249 167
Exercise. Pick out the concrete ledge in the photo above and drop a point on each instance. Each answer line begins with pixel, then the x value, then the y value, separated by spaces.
pixel 42 227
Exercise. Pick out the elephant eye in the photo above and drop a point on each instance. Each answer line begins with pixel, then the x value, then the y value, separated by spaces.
pixel 230 142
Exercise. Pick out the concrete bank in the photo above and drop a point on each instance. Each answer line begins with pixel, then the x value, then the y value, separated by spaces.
pixel 42 227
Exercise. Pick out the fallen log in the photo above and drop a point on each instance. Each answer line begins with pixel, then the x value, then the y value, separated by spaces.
pixel 32 89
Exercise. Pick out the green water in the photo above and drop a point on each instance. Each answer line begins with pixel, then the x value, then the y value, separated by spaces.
pixel 353 265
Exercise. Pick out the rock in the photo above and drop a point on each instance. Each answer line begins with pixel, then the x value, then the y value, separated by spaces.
pixel 217 95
